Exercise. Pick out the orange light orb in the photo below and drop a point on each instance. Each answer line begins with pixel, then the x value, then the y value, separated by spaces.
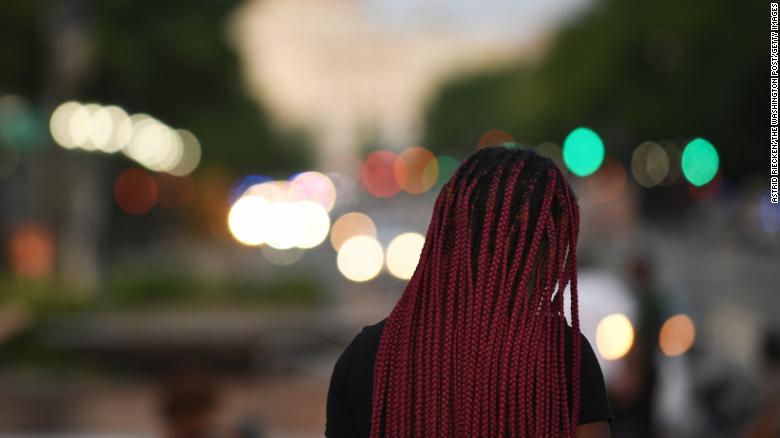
pixel 416 170
pixel 350 225
pixel 494 137
pixel 677 335
pixel 31 251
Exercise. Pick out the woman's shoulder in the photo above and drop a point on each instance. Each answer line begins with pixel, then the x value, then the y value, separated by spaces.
pixel 366 343
pixel 372 333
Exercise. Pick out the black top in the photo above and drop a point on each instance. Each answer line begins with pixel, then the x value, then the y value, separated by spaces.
pixel 349 396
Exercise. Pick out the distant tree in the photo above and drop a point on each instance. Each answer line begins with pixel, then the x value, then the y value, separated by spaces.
pixel 170 59
pixel 634 72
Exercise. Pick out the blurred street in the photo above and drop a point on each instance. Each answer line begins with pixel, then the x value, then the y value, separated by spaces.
pixel 203 202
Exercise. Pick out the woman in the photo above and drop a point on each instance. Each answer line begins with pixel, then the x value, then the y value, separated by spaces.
pixel 477 345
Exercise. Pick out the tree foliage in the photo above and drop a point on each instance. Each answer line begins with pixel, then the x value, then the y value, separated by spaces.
pixel 170 59
pixel 664 70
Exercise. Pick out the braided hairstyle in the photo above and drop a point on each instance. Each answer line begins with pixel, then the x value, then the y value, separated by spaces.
pixel 475 345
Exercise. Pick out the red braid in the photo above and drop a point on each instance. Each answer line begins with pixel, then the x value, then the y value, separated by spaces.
pixel 475 345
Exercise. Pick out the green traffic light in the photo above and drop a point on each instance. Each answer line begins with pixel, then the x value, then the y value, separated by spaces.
pixel 583 151
pixel 699 162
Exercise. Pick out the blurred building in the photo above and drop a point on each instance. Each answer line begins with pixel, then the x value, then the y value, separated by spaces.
pixel 350 77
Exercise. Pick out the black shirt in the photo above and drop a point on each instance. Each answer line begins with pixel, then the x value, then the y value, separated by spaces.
pixel 349 396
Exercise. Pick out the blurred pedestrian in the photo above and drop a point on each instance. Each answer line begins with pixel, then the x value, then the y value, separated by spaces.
pixel 188 401
pixel 766 422
pixel 634 390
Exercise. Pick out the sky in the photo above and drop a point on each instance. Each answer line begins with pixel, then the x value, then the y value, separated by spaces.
pixel 522 19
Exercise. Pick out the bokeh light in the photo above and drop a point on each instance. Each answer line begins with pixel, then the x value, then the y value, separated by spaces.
pixel 430 174
pixel 677 335
pixel 360 258
pixel 315 224
pixel 446 166
pixel 147 137
pixel 403 254
pixel 280 213
pixel 190 154
pixel 315 187
pixel 583 151
pixel 271 191
pixel 675 157
pixel 380 174
pixel 246 220
pixel 101 126
pixel 31 250
pixel 155 145
pixel 350 225
pixel 281 257
pixel 283 225
pixel 80 125
pixel 141 137
pixel 608 182
pixel 416 170
pixel 20 125
pixel 614 336
pixel 110 129
pixel 494 137
pixel 135 191
pixel 59 124
pixel 240 188
pixel 700 162
pixel 649 164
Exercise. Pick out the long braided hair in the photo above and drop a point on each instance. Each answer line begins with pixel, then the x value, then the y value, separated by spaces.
pixel 475 345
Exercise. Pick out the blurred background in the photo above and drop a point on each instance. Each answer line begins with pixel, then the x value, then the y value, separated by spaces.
pixel 202 202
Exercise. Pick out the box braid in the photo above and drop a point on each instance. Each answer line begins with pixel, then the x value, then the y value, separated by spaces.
pixel 475 345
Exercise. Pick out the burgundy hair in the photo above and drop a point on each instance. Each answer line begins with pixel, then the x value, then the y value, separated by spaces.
pixel 475 345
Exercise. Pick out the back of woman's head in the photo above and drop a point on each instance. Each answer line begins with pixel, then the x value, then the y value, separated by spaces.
pixel 475 345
